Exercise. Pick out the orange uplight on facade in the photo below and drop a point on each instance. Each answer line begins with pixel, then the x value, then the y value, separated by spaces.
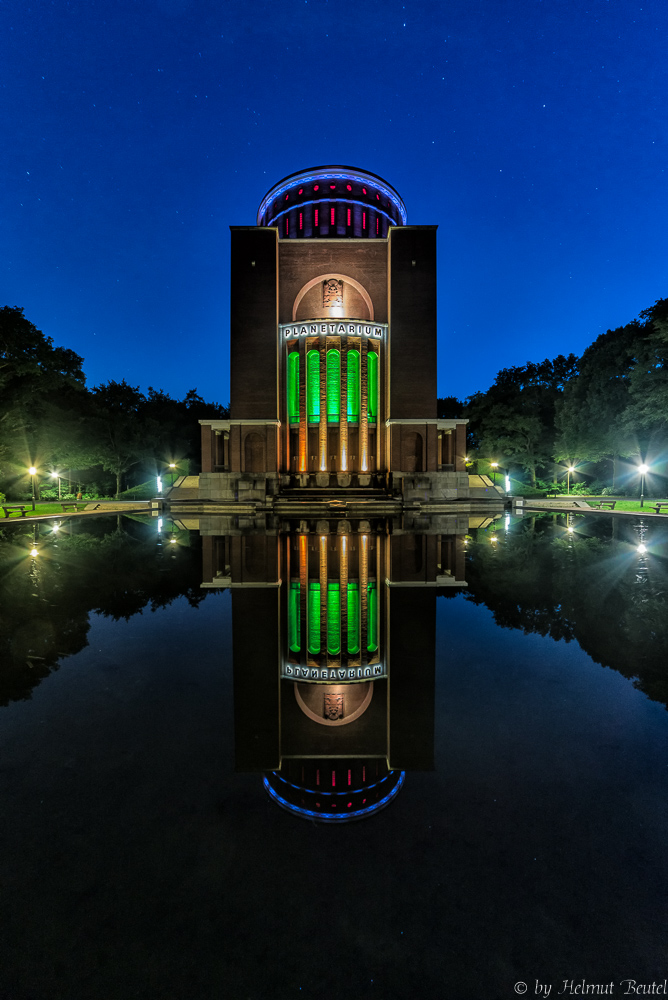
pixel 326 401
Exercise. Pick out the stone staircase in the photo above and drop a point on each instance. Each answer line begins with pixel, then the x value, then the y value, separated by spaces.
pixel 184 488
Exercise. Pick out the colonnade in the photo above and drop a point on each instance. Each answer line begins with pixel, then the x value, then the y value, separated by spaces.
pixel 333 606
pixel 332 384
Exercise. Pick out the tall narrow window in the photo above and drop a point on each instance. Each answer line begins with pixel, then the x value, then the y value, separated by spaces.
pixel 301 220
pixel 363 220
pixel 333 618
pixel 372 605
pixel 294 617
pixel 333 385
pixel 313 386
pixel 331 216
pixel 287 225
pixel 353 359
pixel 293 387
pixel 353 616
pixel 377 225
pixel 348 223
pixel 372 373
pixel 313 617
pixel 316 216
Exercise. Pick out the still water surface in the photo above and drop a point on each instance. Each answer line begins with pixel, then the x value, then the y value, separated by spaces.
pixel 520 707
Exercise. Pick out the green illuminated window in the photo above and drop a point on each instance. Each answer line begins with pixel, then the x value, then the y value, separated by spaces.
pixel 333 385
pixel 353 359
pixel 313 617
pixel 372 376
pixel 313 385
pixel 333 618
pixel 372 604
pixel 293 387
pixel 353 616
pixel 294 617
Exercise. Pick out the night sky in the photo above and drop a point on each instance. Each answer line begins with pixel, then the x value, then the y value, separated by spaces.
pixel 134 132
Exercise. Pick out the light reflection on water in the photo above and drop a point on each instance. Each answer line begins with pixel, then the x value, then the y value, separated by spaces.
pixel 144 708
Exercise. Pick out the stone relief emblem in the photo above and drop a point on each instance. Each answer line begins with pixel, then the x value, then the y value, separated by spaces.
pixel 332 293
pixel 333 707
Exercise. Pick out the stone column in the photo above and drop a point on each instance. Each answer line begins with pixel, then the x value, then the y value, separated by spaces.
pixel 322 427
pixel 343 414
pixel 207 448
pixel 323 597
pixel 343 596
pixel 364 598
pixel 303 596
pixel 364 409
pixel 302 462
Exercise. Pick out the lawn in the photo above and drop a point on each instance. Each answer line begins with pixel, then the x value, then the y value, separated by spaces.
pixel 621 504
pixel 635 505
pixel 40 508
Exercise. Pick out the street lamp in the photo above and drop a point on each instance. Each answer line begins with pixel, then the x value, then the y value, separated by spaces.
pixel 571 468
pixel 643 470
pixel 172 466
pixel 495 466
pixel 33 472
pixel 56 475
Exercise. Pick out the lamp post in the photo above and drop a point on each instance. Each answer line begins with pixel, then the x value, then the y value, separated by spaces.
pixel 571 468
pixel 172 466
pixel 56 475
pixel 495 466
pixel 643 470
pixel 33 472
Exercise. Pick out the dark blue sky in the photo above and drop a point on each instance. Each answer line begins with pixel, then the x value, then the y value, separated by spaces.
pixel 134 132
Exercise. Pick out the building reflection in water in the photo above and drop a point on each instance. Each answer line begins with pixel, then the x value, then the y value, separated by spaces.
pixel 334 631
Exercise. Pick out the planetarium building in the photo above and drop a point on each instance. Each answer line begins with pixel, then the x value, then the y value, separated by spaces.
pixel 333 350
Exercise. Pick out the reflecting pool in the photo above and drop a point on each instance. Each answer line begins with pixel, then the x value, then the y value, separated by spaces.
pixel 251 757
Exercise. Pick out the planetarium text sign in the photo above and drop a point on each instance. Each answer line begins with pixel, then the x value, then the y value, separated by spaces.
pixel 316 328
pixel 333 675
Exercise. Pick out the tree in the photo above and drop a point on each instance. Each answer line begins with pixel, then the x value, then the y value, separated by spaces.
pixel 449 408
pixel 36 378
pixel 590 415
pixel 120 435
pixel 514 419
pixel 647 407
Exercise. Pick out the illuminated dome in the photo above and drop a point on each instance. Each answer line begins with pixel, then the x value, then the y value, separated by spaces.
pixel 334 791
pixel 330 203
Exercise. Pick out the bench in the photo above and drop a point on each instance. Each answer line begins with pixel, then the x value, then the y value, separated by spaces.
pixel 22 508
pixel 657 506
pixel 72 504
pixel 602 504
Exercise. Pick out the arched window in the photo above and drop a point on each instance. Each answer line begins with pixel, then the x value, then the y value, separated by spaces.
pixel 353 359
pixel 293 387
pixel 313 386
pixel 254 452
pixel 413 452
pixel 372 383
pixel 333 385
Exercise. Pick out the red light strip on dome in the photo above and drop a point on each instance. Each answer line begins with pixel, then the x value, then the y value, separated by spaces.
pixel 273 220
pixel 308 178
